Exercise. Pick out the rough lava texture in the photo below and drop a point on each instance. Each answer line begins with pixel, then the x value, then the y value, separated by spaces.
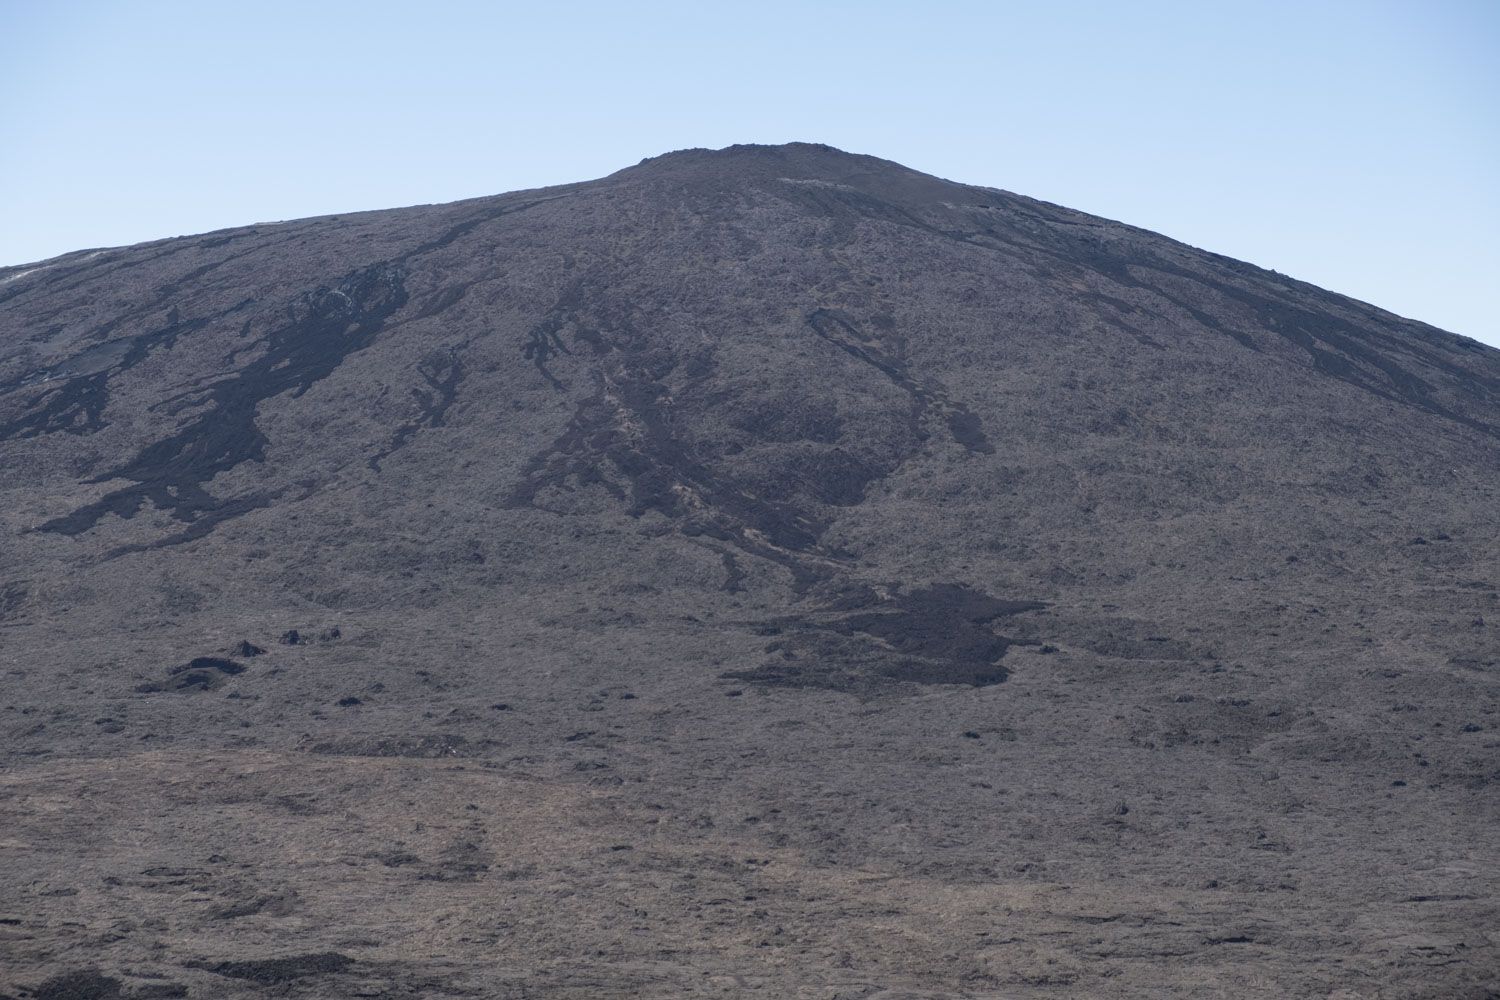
pixel 761 572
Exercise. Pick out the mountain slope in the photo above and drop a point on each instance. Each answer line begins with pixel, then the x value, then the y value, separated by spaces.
pixel 932 588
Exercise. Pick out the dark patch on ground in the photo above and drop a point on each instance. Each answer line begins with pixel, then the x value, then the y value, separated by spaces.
pixel 734 577
pixel 190 681
pixel 638 437
pixel 185 683
pixel 1120 645
pixel 202 673
pixel 276 904
pixel 83 271
pixel 218 663
pixel 946 625
pixel 271 971
pixel 886 353
pixel 940 634
pixel 75 392
pixel 1387 365
pixel 790 416
pixel 461 861
pixel 173 473
pixel 12 596
pixel 1363 358
pixel 544 341
pixel 441 371
pixel 88 984
pixel 630 439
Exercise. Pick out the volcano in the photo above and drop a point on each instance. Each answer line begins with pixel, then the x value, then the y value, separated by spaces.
pixel 764 571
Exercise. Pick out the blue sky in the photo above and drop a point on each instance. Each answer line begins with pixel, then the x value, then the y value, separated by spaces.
pixel 1354 145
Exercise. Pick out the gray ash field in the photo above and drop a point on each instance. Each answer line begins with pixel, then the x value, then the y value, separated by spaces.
pixel 760 572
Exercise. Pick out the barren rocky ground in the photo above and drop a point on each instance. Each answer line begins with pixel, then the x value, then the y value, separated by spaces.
pixel 760 572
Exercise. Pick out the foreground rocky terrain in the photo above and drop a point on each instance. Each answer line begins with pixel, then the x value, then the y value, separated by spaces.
pixel 761 572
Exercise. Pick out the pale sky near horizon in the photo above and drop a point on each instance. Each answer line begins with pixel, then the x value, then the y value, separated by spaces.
pixel 1355 145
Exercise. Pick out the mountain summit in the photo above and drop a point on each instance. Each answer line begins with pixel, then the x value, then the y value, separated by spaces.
pixel 760 569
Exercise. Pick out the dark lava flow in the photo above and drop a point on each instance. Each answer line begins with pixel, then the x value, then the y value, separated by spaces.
pixel 76 391
pixel 632 439
pixel 926 398
pixel 276 971
pixel 173 473
pixel 323 328
pixel 1360 357
pixel 442 372
pixel 940 634
pixel 629 438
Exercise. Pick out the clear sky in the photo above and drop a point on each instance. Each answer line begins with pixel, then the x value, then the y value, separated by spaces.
pixel 1352 144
